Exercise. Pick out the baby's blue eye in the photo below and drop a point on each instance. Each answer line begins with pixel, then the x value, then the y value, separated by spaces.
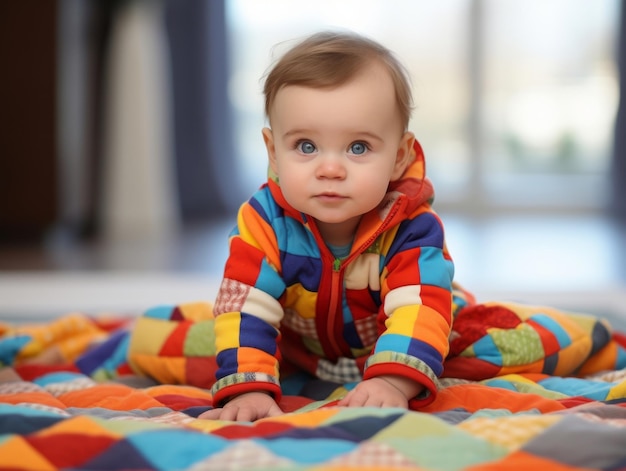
pixel 306 147
pixel 358 148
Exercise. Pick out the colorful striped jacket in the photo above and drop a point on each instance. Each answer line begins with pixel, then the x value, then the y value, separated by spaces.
pixel 285 299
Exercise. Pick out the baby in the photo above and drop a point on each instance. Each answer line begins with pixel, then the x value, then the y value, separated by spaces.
pixel 338 265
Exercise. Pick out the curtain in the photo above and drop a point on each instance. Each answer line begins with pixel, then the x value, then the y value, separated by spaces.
pixel 139 198
pixel 191 158
pixel 205 157
pixel 618 173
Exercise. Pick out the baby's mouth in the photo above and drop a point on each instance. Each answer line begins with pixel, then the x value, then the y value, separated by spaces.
pixel 330 196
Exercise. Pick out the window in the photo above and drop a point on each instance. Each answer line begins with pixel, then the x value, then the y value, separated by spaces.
pixel 515 99
pixel 549 99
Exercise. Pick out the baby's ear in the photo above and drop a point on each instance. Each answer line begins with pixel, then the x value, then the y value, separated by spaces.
pixel 268 138
pixel 404 155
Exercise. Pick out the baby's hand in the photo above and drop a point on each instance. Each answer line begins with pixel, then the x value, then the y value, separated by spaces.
pixel 384 391
pixel 246 407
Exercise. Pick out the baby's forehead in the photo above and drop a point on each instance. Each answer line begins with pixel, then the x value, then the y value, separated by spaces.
pixel 369 66
pixel 354 106
pixel 374 81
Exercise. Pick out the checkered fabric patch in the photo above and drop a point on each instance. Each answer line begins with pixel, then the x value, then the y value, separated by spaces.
pixel 379 455
pixel 367 330
pixel 344 371
pixel 231 296
pixel 245 454
pixel 304 327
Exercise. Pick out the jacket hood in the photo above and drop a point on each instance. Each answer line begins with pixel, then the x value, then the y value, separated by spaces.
pixel 412 190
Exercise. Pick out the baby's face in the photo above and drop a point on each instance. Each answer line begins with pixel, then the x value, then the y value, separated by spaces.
pixel 336 150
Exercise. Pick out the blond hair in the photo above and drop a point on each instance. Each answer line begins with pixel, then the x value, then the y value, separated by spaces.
pixel 330 59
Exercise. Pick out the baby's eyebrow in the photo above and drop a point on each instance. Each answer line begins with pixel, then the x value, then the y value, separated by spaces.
pixel 296 131
pixel 352 134
pixel 370 135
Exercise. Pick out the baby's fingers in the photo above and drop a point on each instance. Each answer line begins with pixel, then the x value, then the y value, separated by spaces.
pixel 355 398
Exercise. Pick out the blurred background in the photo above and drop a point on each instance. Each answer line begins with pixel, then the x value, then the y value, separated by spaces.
pixel 130 132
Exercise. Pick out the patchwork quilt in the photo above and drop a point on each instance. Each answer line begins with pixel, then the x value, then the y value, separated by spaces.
pixel 525 387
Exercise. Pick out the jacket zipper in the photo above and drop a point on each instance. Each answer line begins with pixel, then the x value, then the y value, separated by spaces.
pixel 333 311
pixel 336 281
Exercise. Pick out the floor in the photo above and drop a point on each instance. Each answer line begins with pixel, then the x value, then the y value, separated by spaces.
pixel 572 261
